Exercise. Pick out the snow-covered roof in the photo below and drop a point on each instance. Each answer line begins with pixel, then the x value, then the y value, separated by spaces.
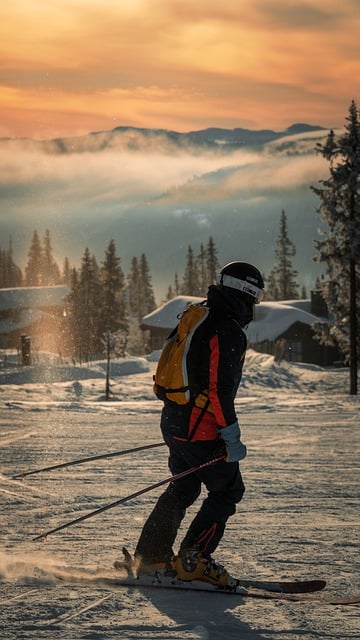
pixel 23 320
pixel 32 297
pixel 166 316
pixel 272 319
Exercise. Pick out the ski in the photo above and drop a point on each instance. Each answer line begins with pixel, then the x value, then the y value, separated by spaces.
pixel 125 576
pixel 274 586
pixel 252 590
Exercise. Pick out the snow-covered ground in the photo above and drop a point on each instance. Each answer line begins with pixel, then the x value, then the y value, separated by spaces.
pixel 299 517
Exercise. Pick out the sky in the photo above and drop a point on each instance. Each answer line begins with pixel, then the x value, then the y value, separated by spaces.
pixel 73 66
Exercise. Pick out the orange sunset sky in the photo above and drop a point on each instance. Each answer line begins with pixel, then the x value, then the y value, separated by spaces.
pixel 68 67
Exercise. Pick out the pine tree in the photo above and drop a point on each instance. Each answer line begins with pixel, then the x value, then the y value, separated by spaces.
pixel 191 280
pixel 212 263
pixel 281 284
pixel 66 273
pixel 112 303
pixel 73 313
pixel 85 307
pixel 173 289
pixel 50 273
pixel 148 297
pixel 340 249
pixel 272 291
pixel 208 266
pixel 202 269
pixel 33 269
pixel 200 272
pixel 10 273
pixel 133 288
pixel 141 301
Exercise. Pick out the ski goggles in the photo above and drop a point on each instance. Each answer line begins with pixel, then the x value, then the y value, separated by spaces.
pixel 241 285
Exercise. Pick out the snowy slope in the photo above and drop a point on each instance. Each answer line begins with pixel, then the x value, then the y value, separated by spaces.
pixel 299 517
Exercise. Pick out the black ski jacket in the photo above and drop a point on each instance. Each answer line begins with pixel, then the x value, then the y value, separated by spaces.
pixel 215 361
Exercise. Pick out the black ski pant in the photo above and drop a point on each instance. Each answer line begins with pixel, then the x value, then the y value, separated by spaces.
pixel 222 480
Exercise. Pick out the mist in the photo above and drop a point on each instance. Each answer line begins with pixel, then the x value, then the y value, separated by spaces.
pixel 158 199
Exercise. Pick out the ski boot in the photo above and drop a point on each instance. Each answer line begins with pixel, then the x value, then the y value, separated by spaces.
pixel 191 565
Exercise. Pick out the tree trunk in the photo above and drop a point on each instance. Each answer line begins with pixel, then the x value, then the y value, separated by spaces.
pixel 353 330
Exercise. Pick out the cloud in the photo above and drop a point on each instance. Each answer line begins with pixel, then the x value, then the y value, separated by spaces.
pixel 76 65
pixel 43 181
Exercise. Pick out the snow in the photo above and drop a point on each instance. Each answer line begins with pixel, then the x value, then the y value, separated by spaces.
pixel 166 316
pixel 271 319
pixel 25 297
pixel 299 516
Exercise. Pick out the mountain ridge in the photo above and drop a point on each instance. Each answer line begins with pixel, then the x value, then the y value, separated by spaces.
pixel 138 139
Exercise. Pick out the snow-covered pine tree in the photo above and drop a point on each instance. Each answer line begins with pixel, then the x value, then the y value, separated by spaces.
pixel 340 249
pixel 281 282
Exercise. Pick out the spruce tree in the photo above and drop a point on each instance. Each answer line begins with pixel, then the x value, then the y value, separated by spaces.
pixel 148 297
pixel 169 294
pixel 112 303
pixel 340 249
pixel 281 283
pixel 33 268
pixel 191 280
pixel 141 301
pixel 10 273
pixel 66 273
pixel 50 273
pixel 73 313
pixel 85 309
pixel 202 268
pixel 272 291
pixel 212 263
pixel 133 288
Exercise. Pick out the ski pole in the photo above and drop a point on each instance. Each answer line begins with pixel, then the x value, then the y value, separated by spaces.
pixel 178 476
pixel 61 465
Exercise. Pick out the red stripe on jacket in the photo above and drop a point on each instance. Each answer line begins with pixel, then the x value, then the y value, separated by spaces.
pixel 213 381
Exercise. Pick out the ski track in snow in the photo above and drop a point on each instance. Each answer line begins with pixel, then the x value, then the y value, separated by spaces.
pixel 299 517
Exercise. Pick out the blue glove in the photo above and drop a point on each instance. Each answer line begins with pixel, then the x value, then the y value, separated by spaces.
pixel 235 449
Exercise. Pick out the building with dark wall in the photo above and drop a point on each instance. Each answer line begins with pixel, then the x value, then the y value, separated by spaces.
pixel 33 316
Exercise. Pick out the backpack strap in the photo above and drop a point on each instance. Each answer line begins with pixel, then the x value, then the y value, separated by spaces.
pixel 198 420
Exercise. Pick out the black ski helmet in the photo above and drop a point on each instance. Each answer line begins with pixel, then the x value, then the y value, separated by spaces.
pixel 244 278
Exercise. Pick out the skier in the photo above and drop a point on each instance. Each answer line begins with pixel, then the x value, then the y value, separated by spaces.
pixel 220 346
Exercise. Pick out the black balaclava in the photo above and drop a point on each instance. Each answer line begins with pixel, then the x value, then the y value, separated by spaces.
pixel 232 302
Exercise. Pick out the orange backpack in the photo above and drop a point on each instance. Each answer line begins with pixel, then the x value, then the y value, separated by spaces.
pixel 171 380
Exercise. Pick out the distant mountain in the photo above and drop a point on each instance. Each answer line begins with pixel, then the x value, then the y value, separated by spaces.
pixel 134 139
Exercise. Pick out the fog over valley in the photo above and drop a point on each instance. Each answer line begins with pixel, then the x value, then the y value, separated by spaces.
pixel 157 191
